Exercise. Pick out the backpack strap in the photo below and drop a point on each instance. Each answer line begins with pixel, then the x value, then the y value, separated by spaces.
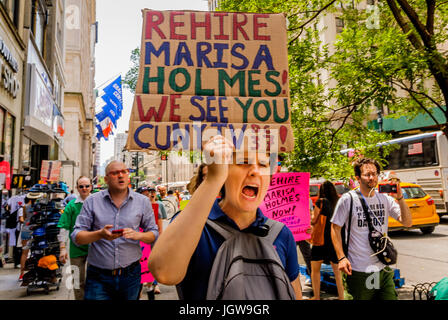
pixel 221 228
pixel 275 227
pixel 350 214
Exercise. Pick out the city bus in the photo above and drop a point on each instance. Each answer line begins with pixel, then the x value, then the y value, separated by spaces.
pixel 422 159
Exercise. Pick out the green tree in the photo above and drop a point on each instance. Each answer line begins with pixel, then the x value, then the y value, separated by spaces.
pixel 370 62
pixel 130 79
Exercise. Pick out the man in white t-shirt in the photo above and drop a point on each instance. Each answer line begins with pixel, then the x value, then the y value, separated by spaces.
pixel 366 277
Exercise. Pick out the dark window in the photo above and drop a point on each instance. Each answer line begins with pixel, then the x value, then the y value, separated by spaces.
pixel 314 190
pixel 413 193
pixel 339 25
pixel 39 24
pixel 413 154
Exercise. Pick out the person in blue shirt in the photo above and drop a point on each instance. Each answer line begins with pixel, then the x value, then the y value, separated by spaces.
pixel 184 253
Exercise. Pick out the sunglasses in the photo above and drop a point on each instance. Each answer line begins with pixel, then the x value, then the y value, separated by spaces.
pixel 84 186
pixel 116 173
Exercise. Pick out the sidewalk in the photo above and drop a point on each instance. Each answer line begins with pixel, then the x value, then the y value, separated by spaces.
pixel 10 289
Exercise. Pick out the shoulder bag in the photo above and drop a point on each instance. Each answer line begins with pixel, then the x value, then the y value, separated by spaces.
pixel 381 244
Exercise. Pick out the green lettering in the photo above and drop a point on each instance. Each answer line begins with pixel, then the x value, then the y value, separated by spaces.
pixel 224 77
pixel 198 86
pixel 245 107
pixel 268 110
pixel 285 106
pixel 160 79
pixel 252 83
pixel 278 87
pixel 172 79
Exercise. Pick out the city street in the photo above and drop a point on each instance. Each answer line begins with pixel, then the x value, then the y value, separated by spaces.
pixel 422 258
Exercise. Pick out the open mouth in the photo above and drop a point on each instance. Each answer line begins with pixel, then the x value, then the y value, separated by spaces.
pixel 250 191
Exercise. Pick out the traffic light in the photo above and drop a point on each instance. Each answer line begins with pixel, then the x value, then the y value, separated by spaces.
pixel 134 161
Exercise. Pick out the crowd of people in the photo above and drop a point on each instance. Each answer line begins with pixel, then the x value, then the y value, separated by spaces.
pixel 107 232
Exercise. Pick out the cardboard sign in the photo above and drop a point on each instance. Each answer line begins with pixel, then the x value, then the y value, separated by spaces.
pixel 50 170
pixel 287 201
pixel 208 73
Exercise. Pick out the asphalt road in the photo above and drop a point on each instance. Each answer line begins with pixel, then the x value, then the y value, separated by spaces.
pixel 422 258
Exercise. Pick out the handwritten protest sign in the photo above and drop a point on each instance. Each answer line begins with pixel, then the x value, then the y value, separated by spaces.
pixel 287 201
pixel 50 170
pixel 208 73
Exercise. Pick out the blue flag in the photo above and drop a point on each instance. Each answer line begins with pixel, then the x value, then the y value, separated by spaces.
pixel 112 109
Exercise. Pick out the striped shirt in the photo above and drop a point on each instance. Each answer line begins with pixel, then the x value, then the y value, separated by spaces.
pixel 99 210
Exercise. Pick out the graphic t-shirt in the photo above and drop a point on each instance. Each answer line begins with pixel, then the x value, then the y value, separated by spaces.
pixel 380 207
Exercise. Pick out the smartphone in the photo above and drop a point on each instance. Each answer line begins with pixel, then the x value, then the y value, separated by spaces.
pixel 387 188
pixel 117 231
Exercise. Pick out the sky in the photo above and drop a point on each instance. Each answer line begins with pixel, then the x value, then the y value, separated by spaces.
pixel 119 32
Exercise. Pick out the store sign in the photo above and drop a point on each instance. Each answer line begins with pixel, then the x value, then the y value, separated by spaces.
pixel 20 181
pixel 9 79
pixel 5 175
pixel 41 101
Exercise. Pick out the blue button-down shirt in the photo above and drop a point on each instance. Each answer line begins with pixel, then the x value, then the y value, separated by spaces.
pixel 98 210
pixel 194 285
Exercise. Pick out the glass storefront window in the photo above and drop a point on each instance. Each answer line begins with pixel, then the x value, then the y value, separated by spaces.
pixel 26 153
pixel 2 121
pixel 9 141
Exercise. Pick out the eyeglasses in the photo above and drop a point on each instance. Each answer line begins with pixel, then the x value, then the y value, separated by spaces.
pixel 84 186
pixel 372 174
pixel 116 173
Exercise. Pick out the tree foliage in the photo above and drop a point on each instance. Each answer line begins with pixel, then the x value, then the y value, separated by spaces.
pixel 335 87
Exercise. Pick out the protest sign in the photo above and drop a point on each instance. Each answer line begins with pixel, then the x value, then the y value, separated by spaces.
pixel 50 171
pixel 208 73
pixel 287 201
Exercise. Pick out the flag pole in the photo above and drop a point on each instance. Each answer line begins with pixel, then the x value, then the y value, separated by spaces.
pixel 111 78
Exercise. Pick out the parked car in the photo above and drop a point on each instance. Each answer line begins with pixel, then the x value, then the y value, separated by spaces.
pixel 423 209
pixel 315 186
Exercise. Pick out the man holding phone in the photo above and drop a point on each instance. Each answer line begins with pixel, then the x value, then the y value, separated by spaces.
pixel 366 277
pixel 110 221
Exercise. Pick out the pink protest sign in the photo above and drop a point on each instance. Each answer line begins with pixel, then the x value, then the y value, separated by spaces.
pixel 146 275
pixel 288 201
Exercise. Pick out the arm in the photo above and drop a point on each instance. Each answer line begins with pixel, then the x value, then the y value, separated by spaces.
pixel 173 250
pixel 344 265
pixel 160 225
pixel 86 237
pixel 315 215
pixel 405 218
pixel 82 234
pixel 297 288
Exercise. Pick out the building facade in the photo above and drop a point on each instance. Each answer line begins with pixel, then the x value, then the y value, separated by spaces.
pixel 12 61
pixel 42 122
pixel 79 96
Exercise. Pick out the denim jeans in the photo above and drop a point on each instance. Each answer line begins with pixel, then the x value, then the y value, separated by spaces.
pixel 101 286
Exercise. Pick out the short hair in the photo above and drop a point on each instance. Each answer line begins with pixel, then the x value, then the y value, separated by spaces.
pixel 82 177
pixel 170 192
pixel 360 162
pixel 112 162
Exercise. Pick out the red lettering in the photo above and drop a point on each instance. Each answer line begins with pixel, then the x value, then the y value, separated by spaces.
pixel 151 24
pixel 174 25
pixel 173 106
pixel 205 24
pixel 152 110
pixel 258 25
pixel 238 25
pixel 221 35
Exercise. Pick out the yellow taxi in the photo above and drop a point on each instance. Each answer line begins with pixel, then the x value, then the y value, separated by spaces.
pixel 423 209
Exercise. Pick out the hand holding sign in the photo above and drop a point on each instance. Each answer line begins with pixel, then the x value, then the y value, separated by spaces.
pixel 218 153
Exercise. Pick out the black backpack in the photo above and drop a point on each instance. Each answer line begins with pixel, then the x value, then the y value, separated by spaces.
pixel 11 220
pixel 247 266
